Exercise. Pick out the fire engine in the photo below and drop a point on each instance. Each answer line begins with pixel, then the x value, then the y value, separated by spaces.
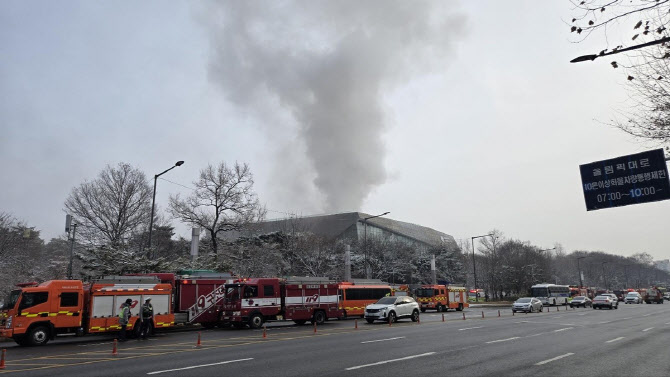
pixel 441 297
pixel 300 299
pixel 653 295
pixel 36 313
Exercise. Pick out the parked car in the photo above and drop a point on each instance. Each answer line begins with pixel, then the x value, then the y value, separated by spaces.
pixel 580 301
pixel 666 296
pixel 605 302
pixel 613 297
pixel 527 304
pixel 633 298
pixel 392 308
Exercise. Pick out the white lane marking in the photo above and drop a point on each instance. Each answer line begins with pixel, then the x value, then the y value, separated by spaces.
pixel 645 330
pixel 567 328
pixel 554 359
pixel 382 340
pixel 647 315
pixel 530 336
pixel 92 344
pixel 502 340
pixel 668 323
pixel 390 361
pixel 614 340
pixel 470 328
pixel 200 366
pixel 582 314
pixel 627 318
pixel 604 322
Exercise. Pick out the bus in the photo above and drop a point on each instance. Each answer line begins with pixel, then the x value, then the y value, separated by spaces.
pixel 551 294
pixel 353 297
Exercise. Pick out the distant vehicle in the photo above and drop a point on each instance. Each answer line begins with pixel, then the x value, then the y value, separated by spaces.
pixel 604 302
pixel 633 298
pixel 441 297
pixel 620 295
pixel 580 301
pixel 476 294
pixel 615 299
pixel 527 304
pixel 666 296
pixel 653 295
pixel 392 308
pixel 551 294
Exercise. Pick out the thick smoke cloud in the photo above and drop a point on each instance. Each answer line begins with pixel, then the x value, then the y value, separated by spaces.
pixel 328 64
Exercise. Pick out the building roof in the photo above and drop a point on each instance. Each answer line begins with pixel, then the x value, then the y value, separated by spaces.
pixel 336 224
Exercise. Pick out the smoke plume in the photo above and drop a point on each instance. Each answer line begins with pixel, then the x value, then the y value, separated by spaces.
pixel 328 64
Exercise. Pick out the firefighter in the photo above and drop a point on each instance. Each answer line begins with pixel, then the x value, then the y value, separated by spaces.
pixel 124 317
pixel 147 316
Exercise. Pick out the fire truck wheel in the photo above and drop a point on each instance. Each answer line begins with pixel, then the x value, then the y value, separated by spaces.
pixel 300 322
pixel 256 321
pixel 415 315
pixel 440 308
pixel 319 317
pixel 38 336
pixel 460 307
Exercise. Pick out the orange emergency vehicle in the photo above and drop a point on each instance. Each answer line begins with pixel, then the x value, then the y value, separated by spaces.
pixel 355 295
pixel 441 297
pixel 36 313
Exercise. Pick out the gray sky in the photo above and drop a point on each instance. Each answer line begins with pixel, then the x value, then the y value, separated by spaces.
pixel 463 117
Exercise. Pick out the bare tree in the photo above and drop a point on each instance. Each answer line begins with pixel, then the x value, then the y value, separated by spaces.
pixel 641 22
pixel 223 201
pixel 111 208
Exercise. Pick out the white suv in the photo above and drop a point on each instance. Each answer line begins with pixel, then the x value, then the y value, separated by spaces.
pixel 633 298
pixel 392 308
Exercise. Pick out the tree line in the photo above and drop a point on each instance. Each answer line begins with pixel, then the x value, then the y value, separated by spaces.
pixel 113 213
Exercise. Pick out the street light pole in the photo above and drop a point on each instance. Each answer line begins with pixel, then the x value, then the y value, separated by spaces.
pixel 153 202
pixel 581 283
pixel 594 56
pixel 474 263
pixel 368 273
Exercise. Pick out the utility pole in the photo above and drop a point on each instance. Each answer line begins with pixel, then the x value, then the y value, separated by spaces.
pixel 581 283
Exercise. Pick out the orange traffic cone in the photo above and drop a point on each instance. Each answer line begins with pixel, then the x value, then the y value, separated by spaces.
pixel 114 350
pixel 356 324
pixel 198 344
pixel 442 317
pixel 314 327
pixel 2 359
pixel 265 331
pixel 464 316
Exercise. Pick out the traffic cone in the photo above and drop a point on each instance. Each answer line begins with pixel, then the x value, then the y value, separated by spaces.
pixel 418 319
pixel 265 331
pixel 512 313
pixel 314 327
pixel 482 314
pixel 114 350
pixel 464 316
pixel 356 324
pixel 2 359
pixel 198 344
pixel 389 321
pixel 498 313
pixel 442 317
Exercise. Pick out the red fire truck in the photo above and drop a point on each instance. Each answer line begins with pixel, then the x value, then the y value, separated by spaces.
pixel 441 297
pixel 300 299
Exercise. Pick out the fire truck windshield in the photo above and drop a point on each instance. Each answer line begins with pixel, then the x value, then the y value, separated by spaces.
pixel 424 292
pixel 233 292
pixel 11 299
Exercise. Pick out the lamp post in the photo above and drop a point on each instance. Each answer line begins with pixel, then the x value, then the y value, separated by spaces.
pixel 365 240
pixel 592 57
pixel 474 263
pixel 153 201
pixel 581 283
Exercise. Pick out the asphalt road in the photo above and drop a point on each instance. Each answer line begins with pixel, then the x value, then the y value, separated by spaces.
pixel 630 341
